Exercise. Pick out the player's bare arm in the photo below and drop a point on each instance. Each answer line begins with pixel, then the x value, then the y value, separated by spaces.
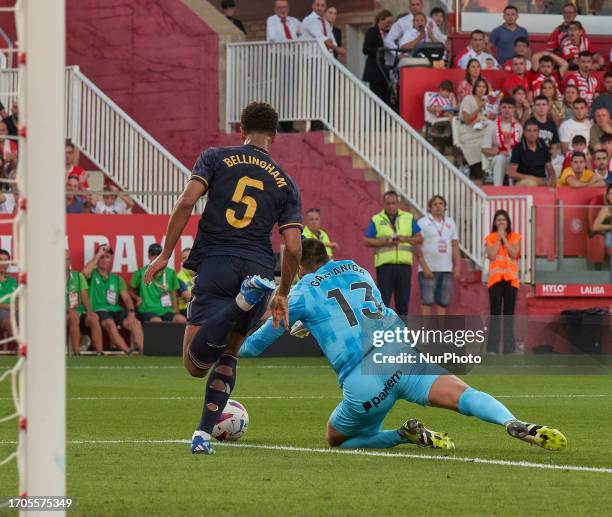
pixel 178 220
pixel 292 238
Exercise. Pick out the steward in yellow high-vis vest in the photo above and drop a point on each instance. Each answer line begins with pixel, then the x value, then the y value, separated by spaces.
pixel 312 230
pixel 393 233
pixel 322 236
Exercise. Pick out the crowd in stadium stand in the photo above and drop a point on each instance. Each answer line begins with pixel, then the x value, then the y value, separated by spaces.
pixel 112 201
pixel 556 89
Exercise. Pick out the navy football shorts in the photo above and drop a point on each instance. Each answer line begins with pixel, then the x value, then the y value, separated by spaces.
pixel 216 285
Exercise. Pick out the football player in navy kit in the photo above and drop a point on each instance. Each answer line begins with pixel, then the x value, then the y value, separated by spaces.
pixel 248 193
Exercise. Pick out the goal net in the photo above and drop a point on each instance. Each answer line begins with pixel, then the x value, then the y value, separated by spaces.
pixel 37 305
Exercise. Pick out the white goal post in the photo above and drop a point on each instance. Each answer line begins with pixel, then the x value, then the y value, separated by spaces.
pixel 41 247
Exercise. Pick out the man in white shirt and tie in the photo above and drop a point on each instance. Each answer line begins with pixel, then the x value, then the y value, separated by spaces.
pixel 315 26
pixel 406 24
pixel 280 26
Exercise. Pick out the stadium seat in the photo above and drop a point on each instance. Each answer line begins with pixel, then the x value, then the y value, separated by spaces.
pixel 595 241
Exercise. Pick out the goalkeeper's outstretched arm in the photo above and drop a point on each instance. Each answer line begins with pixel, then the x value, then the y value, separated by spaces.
pixel 264 336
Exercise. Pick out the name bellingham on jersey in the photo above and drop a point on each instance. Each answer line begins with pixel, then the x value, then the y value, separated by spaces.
pixel 248 193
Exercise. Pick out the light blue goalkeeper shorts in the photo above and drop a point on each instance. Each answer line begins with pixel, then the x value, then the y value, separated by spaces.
pixel 367 398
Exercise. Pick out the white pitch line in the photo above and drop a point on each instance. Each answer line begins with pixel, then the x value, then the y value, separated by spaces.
pixel 352 452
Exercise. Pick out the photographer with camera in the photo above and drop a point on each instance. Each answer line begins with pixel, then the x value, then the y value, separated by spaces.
pixel 393 233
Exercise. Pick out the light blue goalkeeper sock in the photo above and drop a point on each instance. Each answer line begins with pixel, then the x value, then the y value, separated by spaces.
pixel 482 405
pixel 382 440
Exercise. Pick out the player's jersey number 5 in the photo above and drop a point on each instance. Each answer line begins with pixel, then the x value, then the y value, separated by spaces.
pixel 239 196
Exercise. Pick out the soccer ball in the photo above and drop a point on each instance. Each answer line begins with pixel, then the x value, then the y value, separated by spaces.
pixel 232 423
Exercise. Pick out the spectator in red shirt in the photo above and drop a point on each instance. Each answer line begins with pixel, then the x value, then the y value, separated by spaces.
pixel 521 48
pixel 518 77
pixel 560 33
pixel 545 68
pixel 74 170
pixel 583 79
pixel 579 145
pixel 575 44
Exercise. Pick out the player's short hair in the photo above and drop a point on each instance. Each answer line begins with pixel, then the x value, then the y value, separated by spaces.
pixel 546 59
pixel 313 253
pixel 510 6
pixel 259 117
pixel 521 39
pixel 446 85
pixel 585 53
pixel 477 31
pixel 531 122
pixel 390 193
pixel 313 210
pixel 608 74
pixel 227 4
pixel 541 98
pixel 601 151
pixel 580 100
pixel 575 23
pixel 578 154
pixel 508 101
pixel 5 253
pixel 69 144
pixel 436 10
pixel 605 138
pixel 578 140
pixel 518 89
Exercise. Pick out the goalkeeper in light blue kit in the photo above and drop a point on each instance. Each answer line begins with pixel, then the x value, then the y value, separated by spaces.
pixel 340 305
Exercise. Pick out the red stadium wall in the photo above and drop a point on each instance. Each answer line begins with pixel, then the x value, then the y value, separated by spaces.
pixel 157 60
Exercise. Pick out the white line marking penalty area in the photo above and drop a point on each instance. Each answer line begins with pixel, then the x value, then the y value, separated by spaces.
pixel 354 452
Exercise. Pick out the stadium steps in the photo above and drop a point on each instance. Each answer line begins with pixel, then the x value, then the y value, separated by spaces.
pixel 342 149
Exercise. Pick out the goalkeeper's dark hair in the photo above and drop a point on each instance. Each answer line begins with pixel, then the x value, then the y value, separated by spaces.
pixel 259 117
pixel 313 253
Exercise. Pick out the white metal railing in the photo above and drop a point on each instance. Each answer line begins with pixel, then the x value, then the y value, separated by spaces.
pixel 121 148
pixel 116 144
pixel 8 87
pixel 303 81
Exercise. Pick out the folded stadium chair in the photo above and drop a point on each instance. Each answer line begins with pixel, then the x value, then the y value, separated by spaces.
pixel 596 251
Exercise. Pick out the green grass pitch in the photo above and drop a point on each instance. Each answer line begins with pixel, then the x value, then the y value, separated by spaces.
pixel 130 419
